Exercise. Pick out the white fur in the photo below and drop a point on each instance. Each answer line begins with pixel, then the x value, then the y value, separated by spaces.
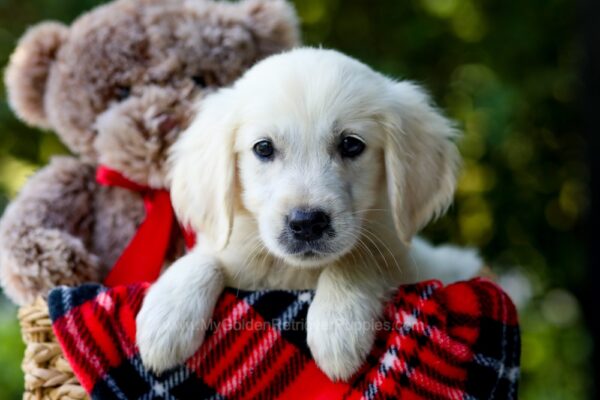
pixel 303 101
pixel 446 263
pixel 173 320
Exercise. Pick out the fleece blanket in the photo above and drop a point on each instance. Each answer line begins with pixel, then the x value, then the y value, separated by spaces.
pixel 436 342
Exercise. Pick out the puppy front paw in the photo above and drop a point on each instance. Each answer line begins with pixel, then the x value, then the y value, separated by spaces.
pixel 167 335
pixel 339 339
pixel 176 311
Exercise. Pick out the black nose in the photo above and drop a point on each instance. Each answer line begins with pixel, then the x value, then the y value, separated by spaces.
pixel 308 225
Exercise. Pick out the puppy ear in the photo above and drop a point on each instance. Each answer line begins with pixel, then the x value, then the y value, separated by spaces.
pixel 28 69
pixel 275 24
pixel 421 160
pixel 203 169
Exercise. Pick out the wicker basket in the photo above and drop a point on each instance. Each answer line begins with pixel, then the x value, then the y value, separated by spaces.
pixel 48 375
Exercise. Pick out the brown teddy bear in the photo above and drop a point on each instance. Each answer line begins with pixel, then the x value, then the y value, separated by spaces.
pixel 117 86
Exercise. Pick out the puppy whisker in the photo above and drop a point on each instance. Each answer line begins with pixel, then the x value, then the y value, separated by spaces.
pixel 380 225
pixel 366 236
pixel 256 249
pixel 366 210
pixel 364 246
pixel 366 231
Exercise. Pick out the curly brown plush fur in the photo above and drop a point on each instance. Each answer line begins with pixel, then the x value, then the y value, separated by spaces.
pixel 117 86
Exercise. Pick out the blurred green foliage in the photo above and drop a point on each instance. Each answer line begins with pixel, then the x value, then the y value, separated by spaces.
pixel 507 72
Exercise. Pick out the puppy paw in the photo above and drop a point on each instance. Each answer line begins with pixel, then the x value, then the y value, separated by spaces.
pixel 339 339
pixel 176 313
pixel 166 336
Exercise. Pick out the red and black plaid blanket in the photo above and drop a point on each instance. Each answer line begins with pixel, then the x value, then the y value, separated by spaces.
pixel 455 342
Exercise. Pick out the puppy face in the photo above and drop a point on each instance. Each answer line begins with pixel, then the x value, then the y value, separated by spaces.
pixel 310 141
pixel 307 175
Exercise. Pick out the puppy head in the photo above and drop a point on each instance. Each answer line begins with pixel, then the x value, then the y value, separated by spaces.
pixel 308 142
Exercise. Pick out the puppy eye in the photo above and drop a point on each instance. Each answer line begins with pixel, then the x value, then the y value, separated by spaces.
pixel 122 92
pixel 264 150
pixel 351 147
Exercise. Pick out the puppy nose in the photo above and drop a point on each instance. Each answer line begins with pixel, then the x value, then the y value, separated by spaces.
pixel 308 225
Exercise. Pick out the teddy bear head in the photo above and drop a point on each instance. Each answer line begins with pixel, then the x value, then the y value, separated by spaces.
pixel 120 84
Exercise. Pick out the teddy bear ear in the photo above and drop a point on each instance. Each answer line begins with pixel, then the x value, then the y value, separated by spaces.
pixel 275 24
pixel 27 71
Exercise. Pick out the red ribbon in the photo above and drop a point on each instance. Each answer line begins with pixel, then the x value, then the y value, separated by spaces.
pixel 145 254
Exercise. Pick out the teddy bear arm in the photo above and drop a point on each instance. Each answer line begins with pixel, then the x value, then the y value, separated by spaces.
pixel 45 232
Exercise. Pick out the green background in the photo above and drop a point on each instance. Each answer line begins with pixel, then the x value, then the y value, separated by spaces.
pixel 507 72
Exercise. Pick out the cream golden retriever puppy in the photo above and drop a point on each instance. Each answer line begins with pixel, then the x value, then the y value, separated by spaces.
pixel 312 171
